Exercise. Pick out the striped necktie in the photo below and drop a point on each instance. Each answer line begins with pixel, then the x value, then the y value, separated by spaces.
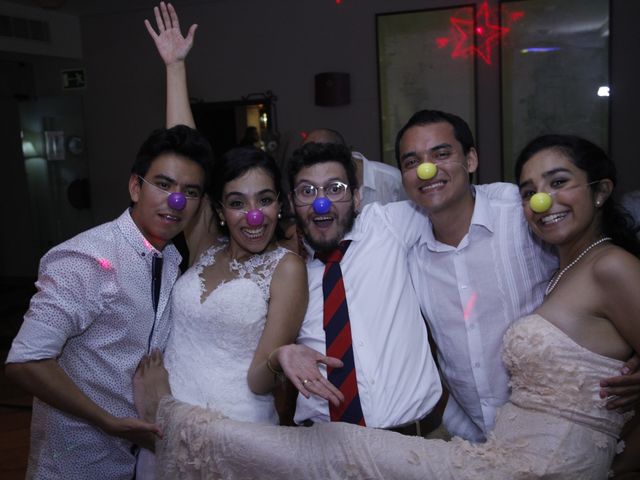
pixel 338 338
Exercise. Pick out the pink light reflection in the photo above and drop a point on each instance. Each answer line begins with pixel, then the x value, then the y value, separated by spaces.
pixel 442 42
pixel 470 304
pixel 105 264
pixel 148 245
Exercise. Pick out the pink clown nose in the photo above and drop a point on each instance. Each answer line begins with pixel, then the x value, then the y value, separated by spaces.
pixel 255 217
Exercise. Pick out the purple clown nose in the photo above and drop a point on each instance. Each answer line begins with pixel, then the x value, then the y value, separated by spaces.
pixel 177 201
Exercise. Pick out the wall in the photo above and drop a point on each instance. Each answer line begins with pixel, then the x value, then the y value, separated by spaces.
pixel 243 47
pixel 64 32
pixel 22 77
pixel 625 92
pixel 256 45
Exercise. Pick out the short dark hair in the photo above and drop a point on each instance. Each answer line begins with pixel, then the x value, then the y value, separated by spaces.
pixel 235 163
pixel 461 129
pixel 313 153
pixel 590 158
pixel 181 140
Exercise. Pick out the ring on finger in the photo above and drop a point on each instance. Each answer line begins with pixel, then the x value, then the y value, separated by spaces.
pixel 305 382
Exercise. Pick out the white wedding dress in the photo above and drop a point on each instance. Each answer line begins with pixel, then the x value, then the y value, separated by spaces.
pixel 214 337
pixel 554 427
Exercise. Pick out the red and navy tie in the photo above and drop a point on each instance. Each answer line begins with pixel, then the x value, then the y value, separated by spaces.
pixel 338 338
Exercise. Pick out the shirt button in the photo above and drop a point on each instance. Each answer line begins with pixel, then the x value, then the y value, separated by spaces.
pixel 477 364
pixel 472 326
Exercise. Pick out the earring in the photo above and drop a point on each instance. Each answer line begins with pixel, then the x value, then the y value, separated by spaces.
pixel 597 203
pixel 222 223
pixel 279 215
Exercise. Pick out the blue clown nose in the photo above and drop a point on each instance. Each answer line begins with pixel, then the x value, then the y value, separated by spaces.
pixel 321 205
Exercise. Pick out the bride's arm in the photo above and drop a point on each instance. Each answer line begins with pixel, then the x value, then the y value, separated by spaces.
pixel 276 351
pixel 173 48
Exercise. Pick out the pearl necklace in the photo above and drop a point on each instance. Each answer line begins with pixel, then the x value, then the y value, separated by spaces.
pixel 557 276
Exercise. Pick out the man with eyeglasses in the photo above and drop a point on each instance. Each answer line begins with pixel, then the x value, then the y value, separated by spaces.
pixel 102 303
pixel 396 383
pixel 378 182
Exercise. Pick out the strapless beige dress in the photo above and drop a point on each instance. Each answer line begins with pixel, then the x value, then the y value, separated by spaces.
pixel 554 426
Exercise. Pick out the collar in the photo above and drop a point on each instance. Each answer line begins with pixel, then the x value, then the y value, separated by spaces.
pixel 354 235
pixel 139 243
pixel 368 177
pixel 482 217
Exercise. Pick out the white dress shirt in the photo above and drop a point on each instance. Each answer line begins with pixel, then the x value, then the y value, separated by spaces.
pixel 397 379
pixel 93 313
pixel 380 182
pixel 471 293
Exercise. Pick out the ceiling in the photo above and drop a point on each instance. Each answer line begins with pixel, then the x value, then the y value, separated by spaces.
pixel 95 7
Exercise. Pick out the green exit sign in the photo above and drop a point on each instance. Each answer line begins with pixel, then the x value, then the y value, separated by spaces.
pixel 72 79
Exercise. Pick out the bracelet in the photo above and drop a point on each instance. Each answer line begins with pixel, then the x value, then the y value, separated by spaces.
pixel 270 367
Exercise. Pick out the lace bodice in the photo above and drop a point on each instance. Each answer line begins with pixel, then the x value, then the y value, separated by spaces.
pixel 215 335
pixel 566 383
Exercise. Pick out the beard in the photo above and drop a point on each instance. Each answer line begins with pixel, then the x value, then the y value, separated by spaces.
pixel 345 224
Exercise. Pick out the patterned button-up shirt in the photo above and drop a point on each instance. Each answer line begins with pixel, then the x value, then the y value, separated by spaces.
pixel 93 313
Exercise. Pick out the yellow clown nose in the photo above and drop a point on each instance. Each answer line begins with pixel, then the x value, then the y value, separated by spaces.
pixel 426 171
pixel 540 202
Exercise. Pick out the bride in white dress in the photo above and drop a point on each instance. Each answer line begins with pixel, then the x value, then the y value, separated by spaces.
pixel 555 425
pixel 243 298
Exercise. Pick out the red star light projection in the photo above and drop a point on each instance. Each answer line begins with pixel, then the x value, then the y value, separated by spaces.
pixel 479 35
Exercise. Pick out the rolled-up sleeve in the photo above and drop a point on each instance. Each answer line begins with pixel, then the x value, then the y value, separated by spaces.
pixel 73 289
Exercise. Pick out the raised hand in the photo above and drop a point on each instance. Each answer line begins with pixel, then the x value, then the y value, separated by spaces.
pixel 301 366
pixel 171 45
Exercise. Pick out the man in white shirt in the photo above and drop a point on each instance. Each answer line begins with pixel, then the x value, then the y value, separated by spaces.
pixel 476 267
pixel 397 380
pixel 378 182
pixel 103 303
